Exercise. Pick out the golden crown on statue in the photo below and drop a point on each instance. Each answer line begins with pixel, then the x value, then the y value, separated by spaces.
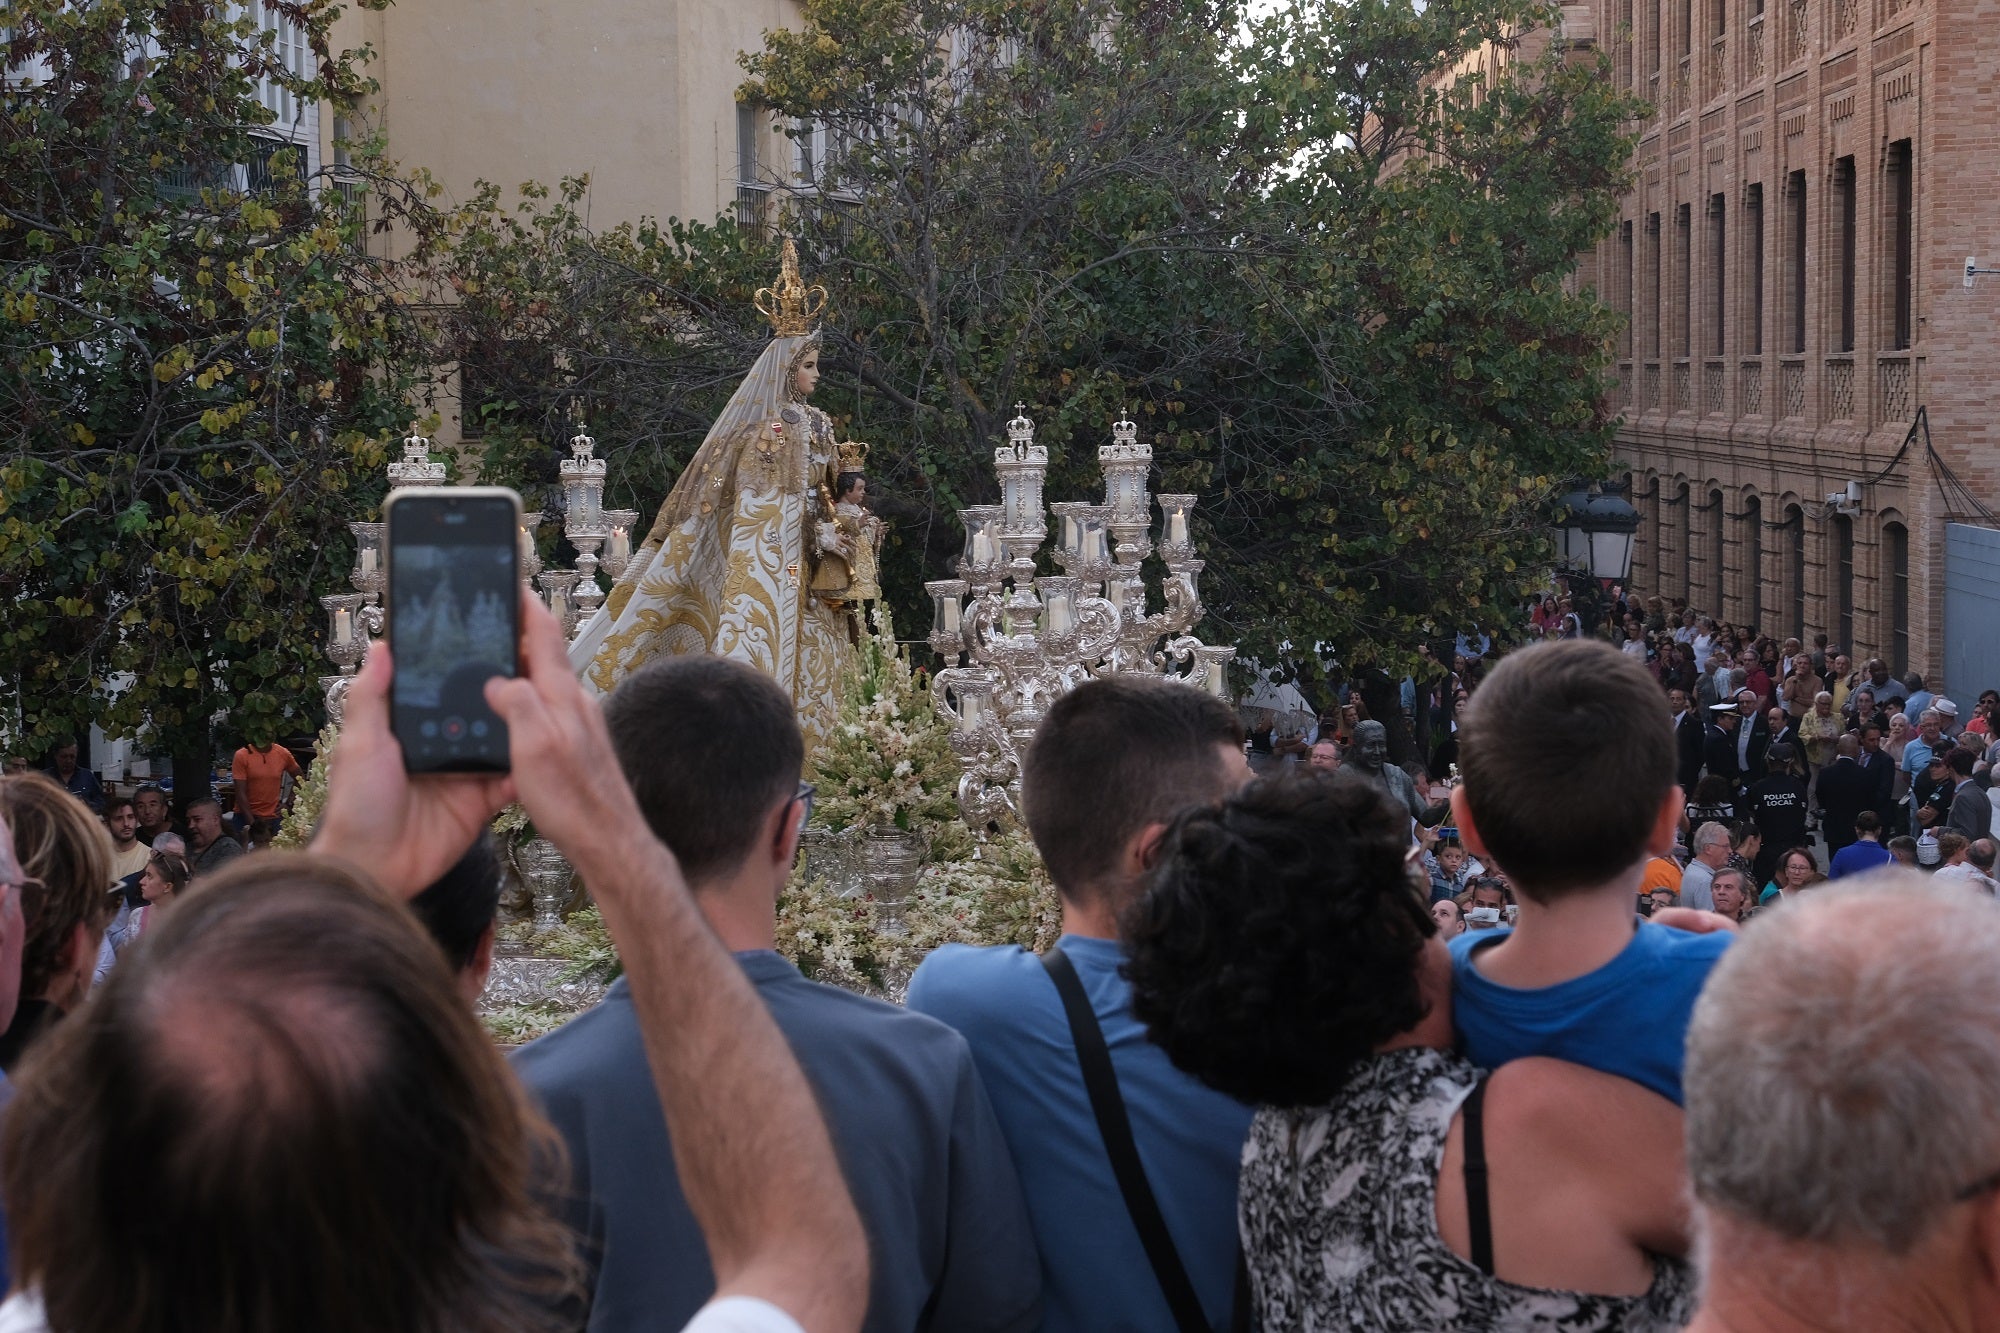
pixel 790 305
pixel 853 456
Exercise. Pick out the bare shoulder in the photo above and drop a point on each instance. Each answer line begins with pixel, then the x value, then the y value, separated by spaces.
pixel 1600 1138
pixel 1556 1101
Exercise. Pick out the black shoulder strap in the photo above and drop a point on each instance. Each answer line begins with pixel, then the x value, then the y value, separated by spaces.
pixel 1478 1220
pixel 1108 1104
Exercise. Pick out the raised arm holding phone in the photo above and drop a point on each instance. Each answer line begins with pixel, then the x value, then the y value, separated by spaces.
pixel 755 1160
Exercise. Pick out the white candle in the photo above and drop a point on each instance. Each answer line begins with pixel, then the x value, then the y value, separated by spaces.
pixel 527 547
pixel 1217 680
pixel 982 548
pixel 367 561
pixel 1177 527
pixel 621 544
pixel 343 626
pixel 1060 620
pixel 947 616
pixel 558 602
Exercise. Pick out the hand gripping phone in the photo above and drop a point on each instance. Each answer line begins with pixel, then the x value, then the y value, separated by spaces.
pixel 454 610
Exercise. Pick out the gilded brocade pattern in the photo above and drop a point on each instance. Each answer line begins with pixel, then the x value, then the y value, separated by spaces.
pixel 726 565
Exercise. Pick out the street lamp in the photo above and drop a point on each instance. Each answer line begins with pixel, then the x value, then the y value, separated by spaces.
pixel 1597 528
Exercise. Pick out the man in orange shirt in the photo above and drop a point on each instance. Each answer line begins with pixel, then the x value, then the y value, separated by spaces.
pixel 259 773
pixel 1662 872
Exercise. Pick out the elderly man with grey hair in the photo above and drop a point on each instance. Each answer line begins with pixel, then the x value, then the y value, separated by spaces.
pixel 1711 853
pixel 1843 1066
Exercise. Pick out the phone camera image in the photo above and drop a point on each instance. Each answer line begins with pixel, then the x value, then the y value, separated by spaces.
pixel 453 614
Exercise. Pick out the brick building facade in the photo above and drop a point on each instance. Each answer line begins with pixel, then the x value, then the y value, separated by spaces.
pixel 1792 260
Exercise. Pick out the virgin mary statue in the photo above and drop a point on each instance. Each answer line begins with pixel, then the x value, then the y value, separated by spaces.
pixel 727 567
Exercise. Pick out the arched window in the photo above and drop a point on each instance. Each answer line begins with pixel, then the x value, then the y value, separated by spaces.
pixel 1841 594
pixel 1753 560
pixel 1795 568
pixel 1717 553
pixel 1896 573
pixel 1686 503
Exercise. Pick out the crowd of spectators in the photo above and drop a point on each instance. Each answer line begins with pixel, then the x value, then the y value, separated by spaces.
pixel 1338 1046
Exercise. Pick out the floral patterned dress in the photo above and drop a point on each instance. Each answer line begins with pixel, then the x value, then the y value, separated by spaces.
pixel 1338 1208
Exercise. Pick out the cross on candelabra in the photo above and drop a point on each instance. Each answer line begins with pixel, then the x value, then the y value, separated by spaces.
pixel 1028 639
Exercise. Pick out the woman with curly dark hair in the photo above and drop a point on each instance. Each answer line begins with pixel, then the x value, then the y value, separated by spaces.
pixel 1284 955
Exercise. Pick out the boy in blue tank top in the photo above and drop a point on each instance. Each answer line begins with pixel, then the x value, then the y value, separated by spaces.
pixel 1569 786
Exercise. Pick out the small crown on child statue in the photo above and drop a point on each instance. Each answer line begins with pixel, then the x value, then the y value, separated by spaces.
pixel 853 455
pixel 789 304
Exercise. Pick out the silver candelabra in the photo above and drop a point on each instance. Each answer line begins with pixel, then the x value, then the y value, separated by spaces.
pixel 354 619
pixel 1026 639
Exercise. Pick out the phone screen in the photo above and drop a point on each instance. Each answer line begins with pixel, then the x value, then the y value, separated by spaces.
pixel 454 589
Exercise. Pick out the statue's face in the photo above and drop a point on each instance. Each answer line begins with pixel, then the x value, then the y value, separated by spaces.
pixel 806 378
pixel 1371 745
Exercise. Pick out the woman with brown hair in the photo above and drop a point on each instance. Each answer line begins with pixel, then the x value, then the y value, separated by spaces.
pixel 66 903
pixel 162 881
pixel 1798 870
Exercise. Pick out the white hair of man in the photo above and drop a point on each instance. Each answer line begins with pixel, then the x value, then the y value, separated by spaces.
pixel 1708 835
pixel 1843 1064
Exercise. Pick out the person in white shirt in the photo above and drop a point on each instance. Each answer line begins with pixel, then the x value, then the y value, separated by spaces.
pixel 1704 642
pixel 1967 863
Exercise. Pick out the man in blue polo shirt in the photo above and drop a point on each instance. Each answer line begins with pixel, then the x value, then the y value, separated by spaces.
pixel 1115 760
pixel 713 752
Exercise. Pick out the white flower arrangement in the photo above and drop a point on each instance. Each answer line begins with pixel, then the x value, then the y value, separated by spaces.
pixel 889 763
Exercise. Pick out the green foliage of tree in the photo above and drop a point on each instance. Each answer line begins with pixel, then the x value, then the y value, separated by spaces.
pixel 640 332
pixel 1335 288
pixel 199 369
pixel 1326 262
pixel 1335 285
pixel 1442 219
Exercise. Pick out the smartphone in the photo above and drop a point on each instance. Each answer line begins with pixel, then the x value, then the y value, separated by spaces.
pixel 454 599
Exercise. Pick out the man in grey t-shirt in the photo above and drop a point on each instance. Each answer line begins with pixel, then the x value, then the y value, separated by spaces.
pixel 713 752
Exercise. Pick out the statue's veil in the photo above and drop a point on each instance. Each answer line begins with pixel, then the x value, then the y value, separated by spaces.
pixel 745 421
pixel 741 452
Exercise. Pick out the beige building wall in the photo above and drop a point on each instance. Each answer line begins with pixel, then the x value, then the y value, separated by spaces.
pixel 637 94
pixel 1780 341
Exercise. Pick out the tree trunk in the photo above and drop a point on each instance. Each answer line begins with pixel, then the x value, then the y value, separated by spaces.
pixel 193 761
